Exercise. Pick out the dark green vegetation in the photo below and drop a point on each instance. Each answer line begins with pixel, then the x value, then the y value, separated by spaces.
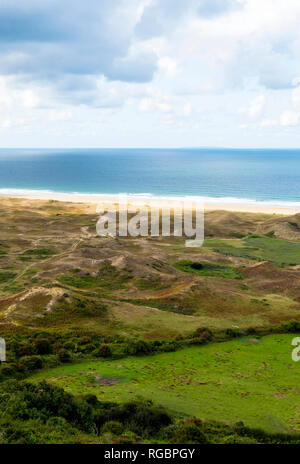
pixel 39 413
pixel 208 269
pixel 104 317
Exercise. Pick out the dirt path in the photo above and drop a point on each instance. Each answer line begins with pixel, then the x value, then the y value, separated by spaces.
pixel 52 258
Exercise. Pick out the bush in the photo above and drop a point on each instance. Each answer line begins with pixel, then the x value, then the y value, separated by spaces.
pixel 234 333
pixel 104 351
pixel 251 331
pixel 139 348
pixel 70 346
pixel 30 363
pixel 203 333
pixel 92 400
pixel 113 427
pixel 7 369
pixel 43 346
pixel 169 346
pixel 291 326
pixel 43 401
pixel 141 418
pixel 64 355
pixel 23 350
pixel 126 438
pixel 190 432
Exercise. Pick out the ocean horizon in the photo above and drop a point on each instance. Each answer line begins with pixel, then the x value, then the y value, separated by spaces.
pixel 269 177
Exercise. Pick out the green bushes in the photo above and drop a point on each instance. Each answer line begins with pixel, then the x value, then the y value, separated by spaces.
pixel 234 333
pixel 263 436
pixel 291 326
pixel 43 401
pixel 64 355
pixel 43 346
pixel 139 348
pixel 113 427
pixel 30 363
pixel 140 417
pixel 190 433
pixel 201 336
pixel 104 351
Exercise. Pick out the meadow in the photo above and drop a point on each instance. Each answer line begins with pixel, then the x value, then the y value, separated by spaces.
pixel 249 379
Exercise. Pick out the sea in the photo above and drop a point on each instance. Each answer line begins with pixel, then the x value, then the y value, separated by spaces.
pixel 246 176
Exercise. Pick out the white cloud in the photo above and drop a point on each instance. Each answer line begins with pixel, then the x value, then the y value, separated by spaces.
pixel 169 66
pixel 289 118
pixel 256 106
pixel 164 58
pixel 268 123
pixel 60 115
pixel 296 97
pixel 28 98
pixel 155 104
pixel 164 107
pixel 187 109
pixel 146 104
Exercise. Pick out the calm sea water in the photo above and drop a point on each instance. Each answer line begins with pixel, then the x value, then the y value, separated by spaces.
pixel 250 175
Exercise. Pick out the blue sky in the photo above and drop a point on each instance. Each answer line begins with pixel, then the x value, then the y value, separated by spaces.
pixel 147 73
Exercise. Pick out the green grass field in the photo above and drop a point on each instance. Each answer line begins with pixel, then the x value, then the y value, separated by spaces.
pixel 249 380
pixel 280 252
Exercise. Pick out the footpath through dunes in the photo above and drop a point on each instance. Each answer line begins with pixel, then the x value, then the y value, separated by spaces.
pixel 251 379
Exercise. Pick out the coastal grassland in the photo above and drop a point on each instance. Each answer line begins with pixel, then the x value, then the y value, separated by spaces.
pixel 67 296
pixel 249 379
pixel 253 247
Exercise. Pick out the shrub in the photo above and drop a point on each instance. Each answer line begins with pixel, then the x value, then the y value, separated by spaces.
pixel 141 418
pixel 113 427
pixel 139 348
pixel 190 433
pixel 43 401
pixel 104 351
pixel 64 355
pixel 291 326
pixel 43 346
pixel 126 438
pixel 169 346
pixel 23 350
pixel 203 331
pixel 57 347
pixel 251 331
pixel 30 363
pixel 92 400
pixel 234 333
pixel 7 370
pixel 70 346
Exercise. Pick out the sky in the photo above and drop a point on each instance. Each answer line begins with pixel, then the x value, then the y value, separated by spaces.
pixel 150 73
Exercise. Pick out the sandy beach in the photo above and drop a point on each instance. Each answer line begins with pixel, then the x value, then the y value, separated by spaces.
pixel 106 200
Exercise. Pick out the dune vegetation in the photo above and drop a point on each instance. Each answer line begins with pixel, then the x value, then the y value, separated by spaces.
pixel 99 319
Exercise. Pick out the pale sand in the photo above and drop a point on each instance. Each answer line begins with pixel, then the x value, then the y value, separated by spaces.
pixel 113 199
